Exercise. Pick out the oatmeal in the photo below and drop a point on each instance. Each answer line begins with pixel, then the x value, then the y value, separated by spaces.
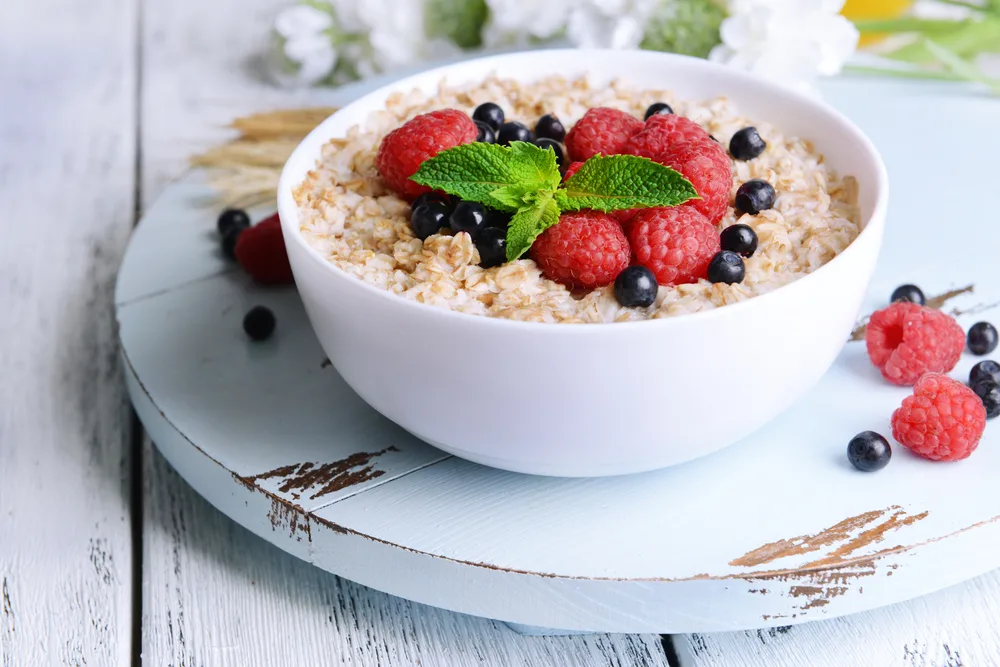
pixel 351 217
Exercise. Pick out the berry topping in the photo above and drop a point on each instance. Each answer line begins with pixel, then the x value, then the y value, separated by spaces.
pixel 985 370
pixel 489 113
pixel 403 150
pixel 585 249
pixel 550 127
pixel 260 250
pixel 572 169
pixel 676 243
pixel 514 131
pixel 989 394
pixel 905 341
pixel 657 108
pixel 492 246
pixel 943 420
pixel 468 216
pixel 636 287
pixel 910 293
pixel 982 338
pixel 555 146
pixel 739 239
pixel 259 323
pixel 667 133
pixel 754 196
pixel 726 267
pixel 229 242
pixel 601 130
pixel 746 144
pixel 232 218
pixel 868 451
pixel 498 219
pixel 428 219
pixel 487 134
pixel 428 197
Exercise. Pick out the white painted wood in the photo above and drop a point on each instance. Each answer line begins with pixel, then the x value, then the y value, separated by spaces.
pixel 67 151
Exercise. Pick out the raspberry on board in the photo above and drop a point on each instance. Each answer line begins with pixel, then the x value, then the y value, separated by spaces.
pixel 906 340
pixel 675 243
pixel 601 131
pixel 942 420
pixel 403 150
pixel 260 251
pixel 585 249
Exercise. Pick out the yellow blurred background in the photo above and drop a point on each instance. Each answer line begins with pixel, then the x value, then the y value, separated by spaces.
pixel 874 9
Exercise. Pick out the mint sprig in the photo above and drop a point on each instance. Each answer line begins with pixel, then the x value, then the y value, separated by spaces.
pixel 524 179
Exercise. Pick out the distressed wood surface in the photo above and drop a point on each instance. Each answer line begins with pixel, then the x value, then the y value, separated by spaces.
pixel 67 153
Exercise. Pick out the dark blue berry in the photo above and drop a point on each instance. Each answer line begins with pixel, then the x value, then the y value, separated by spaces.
pixel 498 219
pixel 514 131
pixel 428 219
pixel 982 338
pixel 989 393
pixel 910 293
pixel 754 196
pixel 428 197
pixel 555 146
pixel 487 134
pixel 740 239
pixel 470 217
pixel 636 287
pixel 550 127
pixel 868 451
pixel 229 242
pixel 492 246
pixel 232 218
pixel 985 370
pixel 259 323
pixel 489 113
pixel 726 267
pixel 746 144
pixel 657 108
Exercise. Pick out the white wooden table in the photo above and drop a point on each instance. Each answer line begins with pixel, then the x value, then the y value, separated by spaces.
pixel 106 556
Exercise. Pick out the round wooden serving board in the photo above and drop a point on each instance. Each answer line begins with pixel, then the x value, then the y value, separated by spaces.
pixel 777 529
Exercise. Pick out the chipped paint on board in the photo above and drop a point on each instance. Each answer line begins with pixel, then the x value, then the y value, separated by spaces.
pixel 317 480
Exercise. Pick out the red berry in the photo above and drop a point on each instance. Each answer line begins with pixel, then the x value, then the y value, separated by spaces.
pixel 664 132
pixel 601 130
pixel 907 340
pixel 585 249
pixel 403 150
pixel 260 250
pixel 572 169
pixel 943 420
pixel 676 243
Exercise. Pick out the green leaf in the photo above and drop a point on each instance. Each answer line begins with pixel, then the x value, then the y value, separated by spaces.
pixel 515 196
pixel 960 67
pixel 535 165
pixel 965 39
pixel 529 222
pixel 616 182
pixel 906 24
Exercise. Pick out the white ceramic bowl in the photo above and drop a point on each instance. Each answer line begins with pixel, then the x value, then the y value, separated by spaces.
pixel 593 399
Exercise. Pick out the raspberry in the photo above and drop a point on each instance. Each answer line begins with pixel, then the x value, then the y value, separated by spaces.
pixel 586 249
pixel 907 340
pixel 260 250
pixel 403 150
pixel 943 420
pixel 601 130
pixel 676 243
pixel 572 169
pixel 664 132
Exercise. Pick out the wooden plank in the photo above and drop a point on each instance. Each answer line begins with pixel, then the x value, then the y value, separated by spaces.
pixel 67 126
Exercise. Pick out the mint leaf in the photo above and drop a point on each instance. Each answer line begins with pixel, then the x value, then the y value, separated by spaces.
pixel 516 196
pixel 535 165
pixel 616 182
pixel 528 223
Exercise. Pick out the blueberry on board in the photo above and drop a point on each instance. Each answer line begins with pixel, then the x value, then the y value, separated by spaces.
pixel 989 393
pixel 657 108
pixel 636 287
pixel 740 239
pixel 487 134
pixel 754 196
pixel 555 146
pixel 428 219
pixel 985 370
pixel 492 246
pixel 489 113
pixel 259 323
pixel 726 267
pixel 550 127
pixel 468 216
pixel 229 242
pixel 746 144
pixel 982 338
pixel 514 131
pixel 232 218
pixel 910 293
pixel 868 451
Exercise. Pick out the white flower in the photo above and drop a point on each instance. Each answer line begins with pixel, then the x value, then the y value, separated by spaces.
pixel 614 24
pixel 307 53
pixel 519 22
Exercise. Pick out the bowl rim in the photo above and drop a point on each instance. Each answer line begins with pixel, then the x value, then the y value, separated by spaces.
pixel 288 209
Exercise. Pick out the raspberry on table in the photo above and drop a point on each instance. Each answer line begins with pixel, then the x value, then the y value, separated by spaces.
pixel 585 249
pixel 906 340
pixel 260 251
pixel 601 130
pixel 676 244
pixel 403 150
pixel 942 420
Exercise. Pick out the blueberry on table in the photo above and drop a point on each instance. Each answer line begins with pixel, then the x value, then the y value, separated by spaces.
pixel 982 338
pixel 989 393
pixel 232 218
pixel 636 287
pixel 550 127
pixel 492 246
pixel 910 293
pixel 489 113
pixel 754 196
pixel 746 144
pixel 470 217
pixel 428 219
pixel 726 267
pixel 868 451
pixel 555 146
pixel 514 131
pixel 740 239
pixel 985 370
pixel 487 134
pixel 259 323
pixel 657 108
pixel 229 242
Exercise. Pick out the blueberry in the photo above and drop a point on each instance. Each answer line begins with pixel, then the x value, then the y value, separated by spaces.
pixel 656 109
pixel 498 219
pixel 487 134
pixel 229 242
pixel 985 370
pixel 636 287
pixel 259 323
pixel 468 217
pixel 428 197
pixel 232 218
pixel 746 144
pixel 489 113
pixel 754 196
pixel 982 338
pixel 740 239
pixel 555 146
pixel 514 131
pixel 868 451
pixel 550 127
pixel 428 219
pixel 910 293
pixel 492 246
pixel 989 392
pixel 726 267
